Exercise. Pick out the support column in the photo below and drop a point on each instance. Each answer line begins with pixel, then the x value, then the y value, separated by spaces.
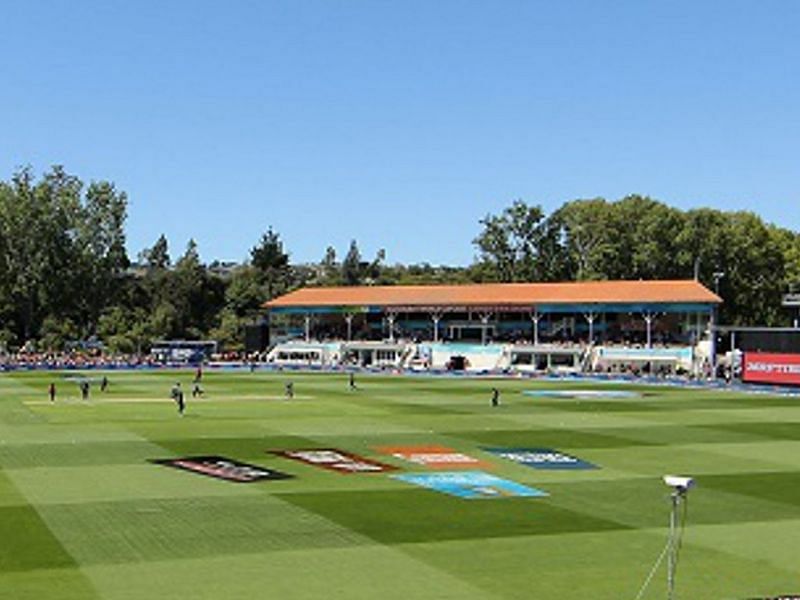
pixel 349 319
pixel 649 318
pixel 535 316
pixel 590 317
pixel 436 317
pixel 308 327
pixel 485 322
pixel 698 328
pixel 391 317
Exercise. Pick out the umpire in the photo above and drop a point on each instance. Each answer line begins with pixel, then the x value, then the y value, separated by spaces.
pixel 177 396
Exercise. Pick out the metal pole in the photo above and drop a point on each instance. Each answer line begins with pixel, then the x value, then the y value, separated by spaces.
pixel 308 327
pixel 672 553
pixel 713 343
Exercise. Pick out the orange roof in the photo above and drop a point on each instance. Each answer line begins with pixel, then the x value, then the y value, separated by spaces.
pixel 502 294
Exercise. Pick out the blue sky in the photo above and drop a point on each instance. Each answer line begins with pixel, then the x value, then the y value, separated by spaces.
pixel 400 124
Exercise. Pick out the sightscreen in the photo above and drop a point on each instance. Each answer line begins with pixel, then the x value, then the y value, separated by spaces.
pixel 786 342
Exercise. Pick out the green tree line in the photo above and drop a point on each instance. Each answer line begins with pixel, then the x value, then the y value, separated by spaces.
pixel 65 274
pixel 750 263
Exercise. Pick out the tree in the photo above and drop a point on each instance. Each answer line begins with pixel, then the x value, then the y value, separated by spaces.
pixel 244 294
pixel 520 244
pixel 272 263
pixel 196 295
pixel 702 243
pixel 157 257
pixel 643 245
pixel 229 332
pixel 37 228
pixel 754 272
pixel 587 230
pixel 157 284
pixel 352 272
pixel 188 282
pixel 496 251
pixel 372 271
pixel 101 243
pixel 329 273
pixel 126 330
pixel 789 244
pixel 56 332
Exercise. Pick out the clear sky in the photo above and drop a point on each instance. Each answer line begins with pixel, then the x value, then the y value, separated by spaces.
pixel 400 124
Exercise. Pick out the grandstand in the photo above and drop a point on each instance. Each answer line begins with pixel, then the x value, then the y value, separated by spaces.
pixel 574 326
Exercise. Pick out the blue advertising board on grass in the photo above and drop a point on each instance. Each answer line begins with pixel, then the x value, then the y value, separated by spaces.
pixel 542 458
pixel 470 485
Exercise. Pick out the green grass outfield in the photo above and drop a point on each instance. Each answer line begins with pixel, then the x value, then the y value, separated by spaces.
pixel 84 515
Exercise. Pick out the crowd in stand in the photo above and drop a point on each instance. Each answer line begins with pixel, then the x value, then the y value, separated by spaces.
pixel 72 360
pixel 98 360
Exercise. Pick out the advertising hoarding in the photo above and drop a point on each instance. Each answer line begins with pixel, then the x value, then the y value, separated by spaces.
pixel 433 456
pixel 337 460
pixel 470 485
pixel 223 468
pixel 763 367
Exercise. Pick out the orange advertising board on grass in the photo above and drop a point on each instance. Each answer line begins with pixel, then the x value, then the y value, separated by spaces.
pixel 433 456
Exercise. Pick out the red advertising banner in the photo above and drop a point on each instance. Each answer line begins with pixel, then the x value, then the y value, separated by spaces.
pixel 762 367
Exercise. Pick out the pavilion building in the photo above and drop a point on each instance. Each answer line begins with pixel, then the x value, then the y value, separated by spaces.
pixel 641 313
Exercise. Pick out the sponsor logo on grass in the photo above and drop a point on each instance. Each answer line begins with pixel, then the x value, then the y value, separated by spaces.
pixel 436 457
pixel 784 597
pixel 541 458
pixel 336 460
pixel 470 485
pixel 223 468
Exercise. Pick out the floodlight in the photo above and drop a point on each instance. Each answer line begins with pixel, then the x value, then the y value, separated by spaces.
pixel 680 483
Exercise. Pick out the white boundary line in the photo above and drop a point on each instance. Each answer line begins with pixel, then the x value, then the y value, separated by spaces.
pixel 189 401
